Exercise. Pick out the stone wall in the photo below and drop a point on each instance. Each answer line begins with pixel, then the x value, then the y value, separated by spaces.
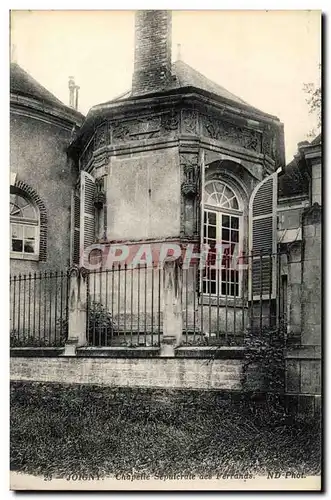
pixel 38 157
pixel 143 196
pixel 159 373
pixel 304 283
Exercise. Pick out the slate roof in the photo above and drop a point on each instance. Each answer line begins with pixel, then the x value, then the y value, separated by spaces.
pixel 186 76
pixel 21 83
pixel 293 180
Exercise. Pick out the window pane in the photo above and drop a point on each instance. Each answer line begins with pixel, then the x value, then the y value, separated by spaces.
pixel 29 239
pixel 234 204
pixel 225 234
pixel 29 232
pixel 212 218
pixel 212 274
pixel 15 210
pixel 228 193
pixel 212 232
pixel 21 207
pixel 17 231
pixel 235 236
pixel 225 220
pixel 17 245
pixel 29 211
pixel 212 287
pixel 235 222
pixel 29 246
pixel 217 193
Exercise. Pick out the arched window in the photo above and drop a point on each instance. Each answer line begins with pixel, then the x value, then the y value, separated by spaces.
pixel 24 225
pixel 222 232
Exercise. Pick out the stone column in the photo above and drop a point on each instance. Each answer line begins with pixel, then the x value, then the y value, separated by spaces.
pixel 172 308
pixel 77 310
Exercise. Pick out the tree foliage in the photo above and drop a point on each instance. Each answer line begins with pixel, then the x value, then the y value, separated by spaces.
pixel 314 101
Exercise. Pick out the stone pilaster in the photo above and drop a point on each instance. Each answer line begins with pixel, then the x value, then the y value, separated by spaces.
pixel 77 310
pixel 172 312
pixel 189 166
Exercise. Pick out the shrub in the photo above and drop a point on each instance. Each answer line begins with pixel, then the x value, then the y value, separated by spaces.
pixel 264 357
pixel 100 324
pixel 26 339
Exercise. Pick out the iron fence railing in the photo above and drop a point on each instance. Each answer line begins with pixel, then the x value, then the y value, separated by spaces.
pixel 39 309
pixel 222 304
pixel 127 306
pixel 124 306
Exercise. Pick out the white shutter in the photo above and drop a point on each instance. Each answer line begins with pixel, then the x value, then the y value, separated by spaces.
pixel 75 226
pixel 263 240
pixel 87 213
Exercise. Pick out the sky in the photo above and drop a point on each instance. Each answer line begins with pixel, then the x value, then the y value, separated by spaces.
pixel 264 57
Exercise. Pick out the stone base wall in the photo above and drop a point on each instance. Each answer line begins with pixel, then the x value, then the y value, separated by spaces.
pixel 172 373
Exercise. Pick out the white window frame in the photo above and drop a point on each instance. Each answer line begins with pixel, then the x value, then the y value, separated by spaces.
pixel 219 211
pixel 24 222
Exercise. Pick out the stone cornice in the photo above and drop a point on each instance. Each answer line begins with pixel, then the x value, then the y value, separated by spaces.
pixel 197 99
pixel 190 93
pixel 186 144
pixel 42 111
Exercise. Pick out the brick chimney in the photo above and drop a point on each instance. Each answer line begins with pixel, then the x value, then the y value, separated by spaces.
pixel 152 56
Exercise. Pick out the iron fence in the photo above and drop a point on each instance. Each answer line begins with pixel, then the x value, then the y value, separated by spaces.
pixel 39 309
pixel 223 304
pixel 124 306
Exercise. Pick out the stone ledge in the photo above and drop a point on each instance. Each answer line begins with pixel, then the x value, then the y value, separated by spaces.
pixel 208 352
pixel 117 352
pixel 304 352
pixel 36 352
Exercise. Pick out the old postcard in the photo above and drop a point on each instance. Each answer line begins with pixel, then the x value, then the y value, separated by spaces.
pixel 165 250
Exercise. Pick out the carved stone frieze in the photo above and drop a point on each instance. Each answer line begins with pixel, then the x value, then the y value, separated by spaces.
pixel 146 128
pixel 238 136
pixel 120 131
pixel 189 123
pixel 101 136
pixel 133 130
pixel 101 159
pixel 170 121
pixel 269 143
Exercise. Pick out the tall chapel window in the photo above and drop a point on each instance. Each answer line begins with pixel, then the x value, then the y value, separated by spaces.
pixel 24 226
pixel 222 227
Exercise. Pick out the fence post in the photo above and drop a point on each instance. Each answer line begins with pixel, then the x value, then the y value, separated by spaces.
pixel 77 310
pixel 172 307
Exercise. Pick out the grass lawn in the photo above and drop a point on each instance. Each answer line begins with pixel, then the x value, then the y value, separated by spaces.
pixel 57 429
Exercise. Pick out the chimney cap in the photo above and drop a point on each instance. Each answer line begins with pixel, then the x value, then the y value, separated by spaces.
pixel 71 81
